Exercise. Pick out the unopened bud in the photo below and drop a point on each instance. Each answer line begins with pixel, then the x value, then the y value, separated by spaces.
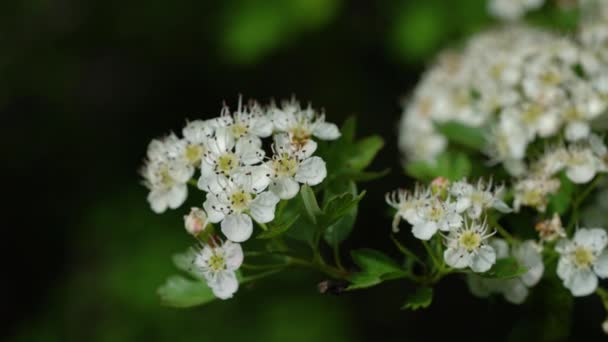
pixel 439 187
pixel 550 230
pixel 196 221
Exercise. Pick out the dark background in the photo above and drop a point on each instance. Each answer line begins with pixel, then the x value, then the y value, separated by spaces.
pixel 84 86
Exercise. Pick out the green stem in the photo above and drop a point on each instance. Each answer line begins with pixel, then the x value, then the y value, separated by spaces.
pixel 337 258
pixel 431 253
pixel 193 182
pixel 501 230
pixel 263 226
pixel 578 201
pixel 263 267
pixel 329 270
pixel 405 250
pixel 260 275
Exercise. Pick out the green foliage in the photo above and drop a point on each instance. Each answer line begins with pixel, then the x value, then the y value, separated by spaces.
pixel 337 232
pixel 277 229
pixel 471 137
pixel 451 165
pixel 181 292
pixel 505 268
pixel 560 202
pixel 375 267
pixel 420 299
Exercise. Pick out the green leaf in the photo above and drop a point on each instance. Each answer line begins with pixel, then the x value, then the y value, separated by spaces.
pixel 341 229
pixel 472 137
pixel 375 267
pixel 505 269
pixel 364 152
pixel 183 293
pixel 183 261
pixel 560 201
pixel 365 176
pixel 348 130
pixel 310 203
pixel 277 229
pixel 339 206
pixel 451 165
pixel 422 298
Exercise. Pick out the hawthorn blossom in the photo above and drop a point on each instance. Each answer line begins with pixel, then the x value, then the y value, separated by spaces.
pixel 247 122
pixel 291 166
pixel 218 265
pixel 476 199
pixel 235 207
pixel 467 246
pixel 408 204
pixel 534 192
pixel 512 9
pixel 435 215
pixel 196 221
pixel 582 260
pixel 550 230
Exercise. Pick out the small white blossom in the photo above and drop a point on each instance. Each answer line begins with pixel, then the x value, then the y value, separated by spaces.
pixel 550 230
pixel 302 124
pixel 582 260
pixel 408 205
pixel 291 166
pixel 196 134
pixel 235 206
pixel 582 165
pixel 512 9
pixel 435 215
pixel 248 122
pixel 196 221
pixel 534 192
pixel 218 264
pixel 467 247
pixel 475 199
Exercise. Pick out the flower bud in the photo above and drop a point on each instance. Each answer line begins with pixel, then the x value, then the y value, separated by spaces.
pixel 196 221
pixel 439 187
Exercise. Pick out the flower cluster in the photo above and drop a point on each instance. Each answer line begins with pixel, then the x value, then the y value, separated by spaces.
pixel 240 182
pixel 456 210
pixel 512 9
pixel 518 83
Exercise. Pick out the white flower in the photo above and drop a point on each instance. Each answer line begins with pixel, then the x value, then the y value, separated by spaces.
pixel 196 134
pixel 435 215
pixel 218 264
pixel 582 260
pixel 248 122
pixel 290 166
pixel 235 206
pixel 408 205
pixel 302 124
pixel 467 247
pixel 226 159
pixel 550 230
pixel 475 199
pixel 582 164
pixel 514 290
pixel 534 192
pixel 196 221
pixel 512 9
pixel 166 175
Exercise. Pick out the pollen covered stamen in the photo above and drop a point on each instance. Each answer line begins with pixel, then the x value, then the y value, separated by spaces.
pixel 470 240
pixel 285 165
pixel 583 257
pixel 217 263
pixel 240 200
pixel 226 163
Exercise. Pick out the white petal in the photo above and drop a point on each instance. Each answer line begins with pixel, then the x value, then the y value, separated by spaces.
pixel 308 149
pixel 262 127
pixel 501 247
pixel 158 201
pixel 424 230
pixel 253 179
pixel 565 268
pixel 263 206
pixel 463 203
pixel 582 282
pixel 577 130
pixel 457 257
pixel 601 265
pixel 581 173
pixel 222 142
pixel 177 195
pixel 282 120
pixel 234 255
pixel 225 285
pixel 326 131
pixel 197 131
pixel 248 150
pixel 237 227
pixel 501 206
pixel 312 171
pixel 285 187
pixel 528 256
pixel 515 291
pixel 214 209
pixel 483 260
pixel 594 238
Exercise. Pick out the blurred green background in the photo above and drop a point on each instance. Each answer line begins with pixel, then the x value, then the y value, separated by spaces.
pixel 84 85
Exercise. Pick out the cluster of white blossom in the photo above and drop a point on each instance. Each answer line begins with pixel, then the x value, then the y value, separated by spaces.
pixel 242 184
pixel 512 9
pixel 514 290
pixel 517 83
pixel 457 210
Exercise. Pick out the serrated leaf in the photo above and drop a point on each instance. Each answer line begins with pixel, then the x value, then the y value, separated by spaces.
pixel 341 229
pixel 183 293
pixel 275 230
pixel 338 207
pixel 364 152
pixel 348 130
pixel 505 268
pixel 375 267
pixel 420 299
pixel 472 137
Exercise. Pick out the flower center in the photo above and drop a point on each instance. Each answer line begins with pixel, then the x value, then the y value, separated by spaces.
pixel 470 240
pixel 300 135
pixel 226 163
pixel 216 262
pixel 532 115
pixel 583 257
pixel 436 212
pixel 239 130
pixel 240 200
pixel 194 152
pixel 165 177
pixel 285 165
